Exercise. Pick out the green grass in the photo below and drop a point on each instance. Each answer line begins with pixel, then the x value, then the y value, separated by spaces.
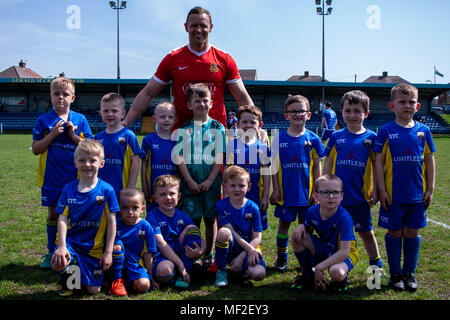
pixel 446 117
pixel 23 242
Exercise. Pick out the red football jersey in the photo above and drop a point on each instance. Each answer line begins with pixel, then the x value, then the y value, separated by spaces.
pixel 183 66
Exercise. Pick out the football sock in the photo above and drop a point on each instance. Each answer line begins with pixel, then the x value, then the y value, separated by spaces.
pixel 394 253
pixel 191 236
pixel 305 259
pixel 411 248
pixel 51 235
pixel 376 262
pixel 221 254
pixel 282 246
pixel 117 264
pixel 168 280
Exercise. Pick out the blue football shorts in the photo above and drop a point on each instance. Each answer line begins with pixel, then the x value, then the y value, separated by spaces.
pixel 49 198
pixel 411 215
pixel 323 250
pixel 289 214
pixel 362 218
pixel 236 249
pixel 90 268
pixel 326 134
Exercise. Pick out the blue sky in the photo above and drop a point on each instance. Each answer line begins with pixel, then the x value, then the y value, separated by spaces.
pixel 278 38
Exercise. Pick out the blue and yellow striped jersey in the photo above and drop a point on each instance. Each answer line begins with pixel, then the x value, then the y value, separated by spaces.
pixel 244 221
pixel 352 157
pixel 119 148
pixel 252 157
pixel 158 152
pixel 56 165
pixel 292 161
pixel 87 215
pixel 169 227
pixel 337 228
pixel 137 239
pixel 404 168
pixel 330 119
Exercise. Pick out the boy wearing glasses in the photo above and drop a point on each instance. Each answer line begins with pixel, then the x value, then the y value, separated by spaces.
pixel 350 157
pixel 296 154
pixel 334 246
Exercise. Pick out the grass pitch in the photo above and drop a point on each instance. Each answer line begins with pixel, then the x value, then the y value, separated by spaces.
pixel 23 242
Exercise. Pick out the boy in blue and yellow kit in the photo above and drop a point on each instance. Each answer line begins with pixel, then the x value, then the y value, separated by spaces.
pixel 178 239
pixel 201 150
pixel 334 246
pixel 87 211
pixel 121 167
pixel 156 149
pixel 55 137
pixel 250 153
pixel 136 236
pixel 296 154
pixel 405 170
pixel 239 238
pixel 122 149
pixel 350 157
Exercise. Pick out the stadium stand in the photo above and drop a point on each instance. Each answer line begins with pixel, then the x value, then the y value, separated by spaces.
pixel 23 99
pixel 23 122
pixel 272 120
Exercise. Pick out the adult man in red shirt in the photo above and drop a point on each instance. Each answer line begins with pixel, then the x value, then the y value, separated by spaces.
pixel 196 62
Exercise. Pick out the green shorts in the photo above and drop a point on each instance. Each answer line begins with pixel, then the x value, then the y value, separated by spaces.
pixel 203 204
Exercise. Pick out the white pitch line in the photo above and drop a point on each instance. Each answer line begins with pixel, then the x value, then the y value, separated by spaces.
pixel 438 223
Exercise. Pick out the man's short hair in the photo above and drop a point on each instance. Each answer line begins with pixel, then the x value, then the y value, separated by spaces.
pixel 199 89
pixel 234 171
pixel 328 104
pixel 326 177
pixel 62 82
pixel 166 180
pixel 296 98
pixel 131 192
pixel 91 147
pixel 199 10
pixel 112 96
pixel 356 97
pixel 403 88
pixel 250 109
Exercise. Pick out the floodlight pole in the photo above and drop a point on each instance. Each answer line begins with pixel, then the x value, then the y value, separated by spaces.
pixel 117 7
pixel 323 50
pixel 321 12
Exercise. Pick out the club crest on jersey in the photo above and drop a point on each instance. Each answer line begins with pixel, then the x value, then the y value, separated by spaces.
pixel 122 140
pixel 367 143
pixel 421 135
pixel 213 67
pixel 248 216
pixel 100 199
pixel 141 234
pixel 308 144
pixel 180 223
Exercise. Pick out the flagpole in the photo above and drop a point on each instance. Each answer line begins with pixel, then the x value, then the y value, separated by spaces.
pixel 434 74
